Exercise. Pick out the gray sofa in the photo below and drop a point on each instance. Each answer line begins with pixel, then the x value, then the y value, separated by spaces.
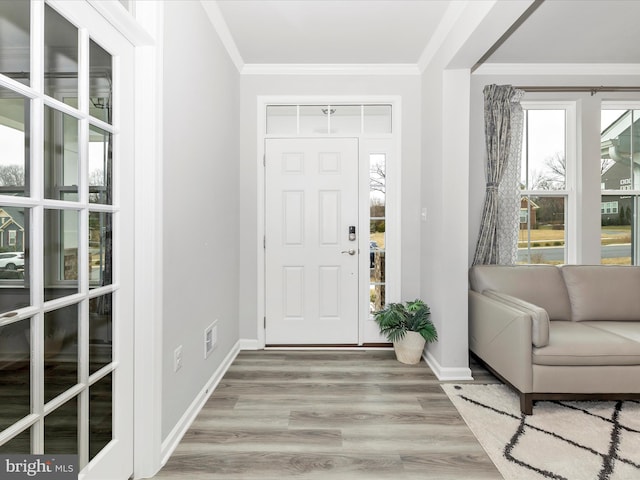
pixel 554 333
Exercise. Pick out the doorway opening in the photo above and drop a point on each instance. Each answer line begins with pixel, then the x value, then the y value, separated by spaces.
pixel 331 221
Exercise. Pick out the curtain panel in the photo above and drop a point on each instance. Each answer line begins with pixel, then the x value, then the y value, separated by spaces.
pixel 503 118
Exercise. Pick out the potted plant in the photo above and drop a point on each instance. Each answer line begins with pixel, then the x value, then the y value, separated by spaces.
pixel 409 328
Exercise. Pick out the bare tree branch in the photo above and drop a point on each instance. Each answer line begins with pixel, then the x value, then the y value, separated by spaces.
pixel 377 178
pixel 11 175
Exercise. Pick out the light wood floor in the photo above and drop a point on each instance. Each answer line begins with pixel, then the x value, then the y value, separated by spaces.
pixel 329 415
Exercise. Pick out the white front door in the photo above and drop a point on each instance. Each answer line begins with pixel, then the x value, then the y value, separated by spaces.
pixel 311 258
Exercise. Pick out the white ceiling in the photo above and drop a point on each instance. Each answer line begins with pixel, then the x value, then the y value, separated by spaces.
pixel 332 31
pixel 571 31
pixel 399 31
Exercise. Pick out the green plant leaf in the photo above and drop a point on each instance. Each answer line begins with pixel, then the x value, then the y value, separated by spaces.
pixel 395 319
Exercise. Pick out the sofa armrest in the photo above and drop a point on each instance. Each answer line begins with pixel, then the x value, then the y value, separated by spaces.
pixel 539 316
pixel 500 335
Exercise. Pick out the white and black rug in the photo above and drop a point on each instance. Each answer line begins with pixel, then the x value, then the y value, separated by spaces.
pixel 561 440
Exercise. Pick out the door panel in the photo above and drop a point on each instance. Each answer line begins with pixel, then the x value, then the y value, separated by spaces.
pixel 311 278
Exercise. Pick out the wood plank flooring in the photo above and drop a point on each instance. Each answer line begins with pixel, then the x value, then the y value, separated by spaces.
pixel 329 415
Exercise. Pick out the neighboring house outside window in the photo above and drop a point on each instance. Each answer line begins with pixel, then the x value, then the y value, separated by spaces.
pixel 11 229
pixel 620 184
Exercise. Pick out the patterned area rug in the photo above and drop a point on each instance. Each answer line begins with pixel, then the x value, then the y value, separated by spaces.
pixel 561 440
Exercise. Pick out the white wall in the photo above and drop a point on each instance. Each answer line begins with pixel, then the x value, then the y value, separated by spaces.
pixel 446 100
pixel 200 194
pixel 407 87
pixel 445 197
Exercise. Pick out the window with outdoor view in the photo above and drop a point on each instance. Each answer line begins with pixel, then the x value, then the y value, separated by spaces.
pixel 543 181
pixel 377 227
pixel 620 184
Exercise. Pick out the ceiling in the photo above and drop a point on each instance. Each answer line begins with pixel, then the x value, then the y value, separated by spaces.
pixel 399 31
pixel 570 31
pixel 332 31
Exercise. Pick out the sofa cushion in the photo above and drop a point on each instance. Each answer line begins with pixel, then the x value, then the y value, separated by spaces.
pixel 603 292
pixel 541 285
pixel 539 316
pixel 579 343
pixel 630 330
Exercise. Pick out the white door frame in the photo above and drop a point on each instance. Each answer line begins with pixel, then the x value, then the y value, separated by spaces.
pixel 393 237
pixel 144 30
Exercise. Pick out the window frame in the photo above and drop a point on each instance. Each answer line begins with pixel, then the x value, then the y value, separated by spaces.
pixel 389 143
pixel 571 172
pixel 630 192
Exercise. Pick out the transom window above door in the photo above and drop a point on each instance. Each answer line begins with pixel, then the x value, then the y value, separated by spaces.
pixel 328 119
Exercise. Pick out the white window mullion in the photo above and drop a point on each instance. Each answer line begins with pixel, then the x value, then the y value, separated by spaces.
pixel 83 245
pixel 36 215
pixel 83 160
pixel 62 107
pixel 83 428
pixel 37 46
pixel 36 221
pixel 83 70
pixel 83 127
pixel 572 224
pixel 83 377
pixel 37 382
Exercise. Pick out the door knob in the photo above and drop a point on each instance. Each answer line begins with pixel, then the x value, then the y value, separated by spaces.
pixel 350 252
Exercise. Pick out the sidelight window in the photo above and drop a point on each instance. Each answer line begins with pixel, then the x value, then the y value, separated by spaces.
pixel 377 229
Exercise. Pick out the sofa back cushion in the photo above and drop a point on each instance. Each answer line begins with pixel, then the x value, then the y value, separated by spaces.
pixel 603 292
pixel 541 285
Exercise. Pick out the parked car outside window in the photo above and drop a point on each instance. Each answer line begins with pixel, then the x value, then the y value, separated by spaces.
pixel 373 246
pixel 11 260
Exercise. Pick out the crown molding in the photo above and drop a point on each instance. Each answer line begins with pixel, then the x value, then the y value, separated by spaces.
pixel 608 69
pixel 222 29
pixel 330 69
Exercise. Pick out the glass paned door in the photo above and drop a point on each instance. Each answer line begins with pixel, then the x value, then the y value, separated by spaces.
pixel 66 304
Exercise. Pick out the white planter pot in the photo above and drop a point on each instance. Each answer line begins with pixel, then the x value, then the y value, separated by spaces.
pixel 409 349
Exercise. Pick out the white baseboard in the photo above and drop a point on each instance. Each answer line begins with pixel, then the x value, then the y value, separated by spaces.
pixel 445 374
pixel 249 344
pixel 174 437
